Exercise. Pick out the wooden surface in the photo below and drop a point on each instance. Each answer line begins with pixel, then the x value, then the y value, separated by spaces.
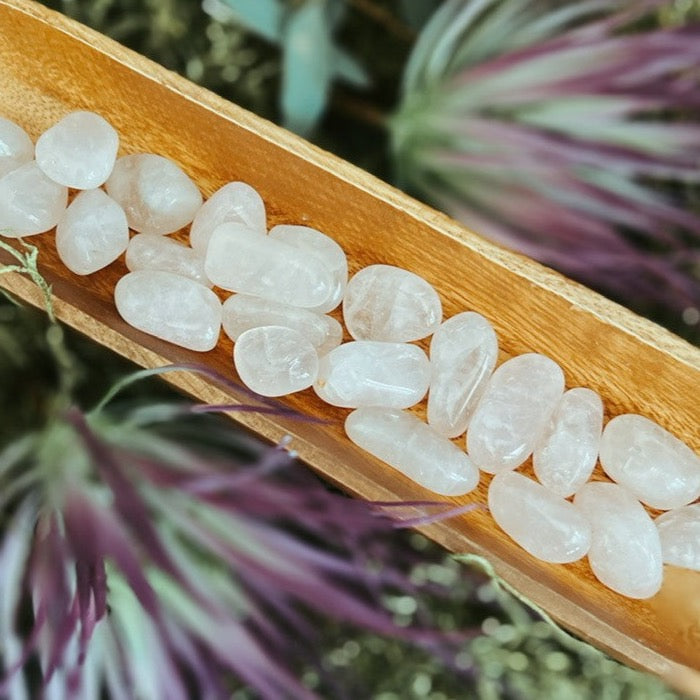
pixel 50 66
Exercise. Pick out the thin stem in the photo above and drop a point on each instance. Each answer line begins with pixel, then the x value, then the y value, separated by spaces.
pixel 384 18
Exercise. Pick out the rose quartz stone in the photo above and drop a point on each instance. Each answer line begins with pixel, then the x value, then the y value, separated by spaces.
pixel 149 251
pixel 16 148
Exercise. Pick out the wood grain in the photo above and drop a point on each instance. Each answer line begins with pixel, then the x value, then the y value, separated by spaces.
pixel 50 66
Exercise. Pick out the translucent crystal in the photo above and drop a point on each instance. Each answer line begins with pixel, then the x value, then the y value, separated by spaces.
pixel 514 410
pixel 679 530
pixel 414 448
pixel 157 196
pixel 16 148
pixel 149 251
pixel 79 151
pixel 544 524
pixel 274 360
pixel 463 353
pixel 92 232
pixel 170 307
pixel 655 466
pixel 383 302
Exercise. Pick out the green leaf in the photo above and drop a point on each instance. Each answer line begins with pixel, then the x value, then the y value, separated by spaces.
pixel 346 68
pixel 264 17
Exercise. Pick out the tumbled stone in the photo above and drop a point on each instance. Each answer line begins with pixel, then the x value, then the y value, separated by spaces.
pixel 463 353
pixel 541 522
pixel 413 448
pixel 79 151
pixel 568 450
pixel 150 251
pixel 679 530
pixel 275 360
pixel 170 307
pixel 241 260
pixel 30 202
pixel 371 373
pixel 625 552
pixel 242 312
pixel 323 247
pixel 92 232
pixel 383 302
pixel 655 466
pixel 514 410
pixel 16 148
pixel 157 196
pixel 235 202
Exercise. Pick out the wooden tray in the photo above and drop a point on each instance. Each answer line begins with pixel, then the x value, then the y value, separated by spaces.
pixel 51 65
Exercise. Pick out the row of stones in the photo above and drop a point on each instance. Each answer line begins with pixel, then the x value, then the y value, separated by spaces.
pixel 284 346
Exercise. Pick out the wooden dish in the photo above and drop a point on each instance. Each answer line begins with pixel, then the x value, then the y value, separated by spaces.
pixel 51 65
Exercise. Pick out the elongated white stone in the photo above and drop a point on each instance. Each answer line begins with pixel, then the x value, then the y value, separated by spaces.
pixel 92 232
pixel 514 410
pixel 170 307
pixel 544 524
pixel 383 302
pixel 78 151
pixel 150 251
pixel 275 360
pixel 315 243
pixel 241 260
pixel 566 454
pixel 625 552
pixel 236 203
pixel 242 312
pixel 414 448
pixel 371 373
pixel 463 353
pixel 30 202
pixel 16 148
pixel 679 530
pixel 655 466
pixel 157 196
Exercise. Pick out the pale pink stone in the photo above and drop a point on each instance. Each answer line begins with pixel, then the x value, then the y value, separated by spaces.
pixel 16 148
pixel 679 530
pixel 149 251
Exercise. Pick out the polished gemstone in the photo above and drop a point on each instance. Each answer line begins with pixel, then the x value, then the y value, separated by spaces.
pixel 679 530
pixel 149 251
pixel 16 148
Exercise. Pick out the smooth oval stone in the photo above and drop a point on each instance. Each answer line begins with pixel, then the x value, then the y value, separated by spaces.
pixel 16 148
pixel 235 202
pixel 157 196
pixel 383 302
pixel 514 410
pixel 655 466
pixel 150 251
pixel 679 530
pixel 92 232
pixel 275 360
pixel 568 450
pixel 413 448
pixel 241 260
pixel 242 312
pixel 544 524
pixel 625 552
pixel 463 353
pixel 30 202
pixel 79 151
pixel 170 307
pixel 323 247
pixel 371 373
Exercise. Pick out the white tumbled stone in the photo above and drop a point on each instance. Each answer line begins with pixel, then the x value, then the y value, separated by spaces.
pixel 30 202
pixel 243 312
pixel 150 251
pixel 383 302
pixel 16 148
pixel 513 412
pixel 170 307
pixel 275 360
pixel 92 232
pixel 541 522
pixel 658 468
pixel 240 260
pixel 157 196
pixel 413 448
pixel 463 353
pixel 625 553
pixel 568 450
pixel 372 373
pixel 79 151
pixel 679 530
pixel 235 202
